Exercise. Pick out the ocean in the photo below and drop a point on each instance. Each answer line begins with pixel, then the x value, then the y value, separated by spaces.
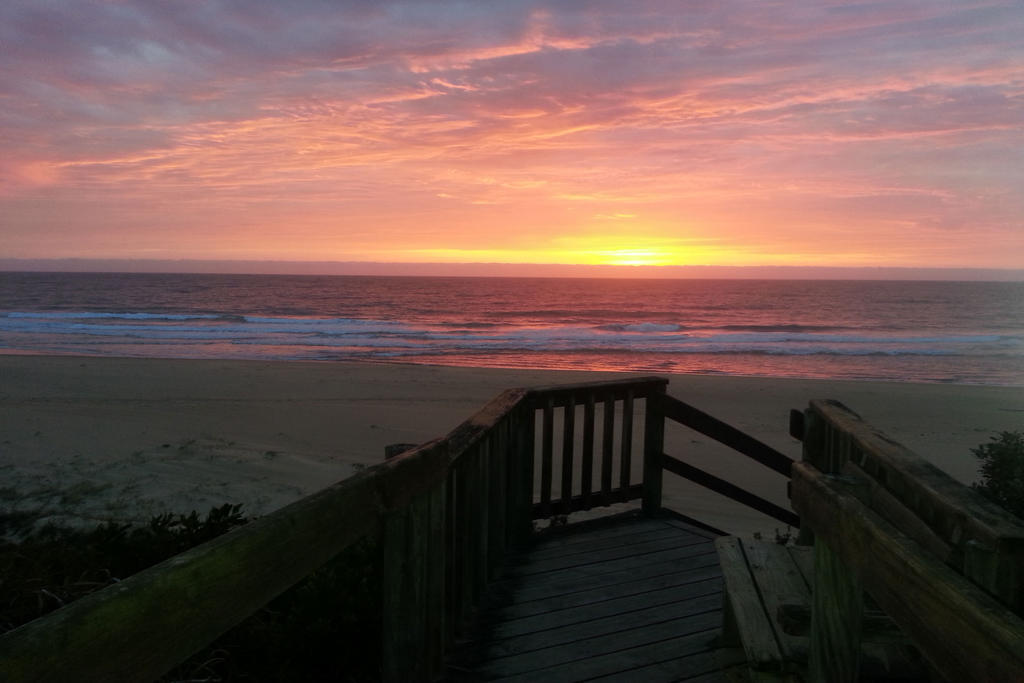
pixel 950 332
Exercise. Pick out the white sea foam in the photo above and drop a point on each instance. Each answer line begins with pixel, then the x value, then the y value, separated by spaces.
pixel 963 331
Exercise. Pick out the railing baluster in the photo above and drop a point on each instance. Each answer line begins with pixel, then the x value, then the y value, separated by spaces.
pixel 481 509
pixel 547 448
pixel 587 466
pixel 654 446
pixel 626 456
pixel 452 546
pixel 607 447
pixel 467 532
pixel 568 446
pixel 525 454
pixel 436 570
pixel 512 484
pixel 459 525
pixel 496 499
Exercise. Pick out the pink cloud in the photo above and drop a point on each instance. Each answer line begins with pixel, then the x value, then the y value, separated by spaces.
pixel 742 116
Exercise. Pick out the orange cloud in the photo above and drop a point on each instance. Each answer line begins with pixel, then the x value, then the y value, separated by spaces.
pixel 839 134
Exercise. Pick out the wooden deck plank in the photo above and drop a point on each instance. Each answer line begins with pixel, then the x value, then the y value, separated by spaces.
pixel 613 571
pixel 641 601
pixel 690 581
pixel 803 558
pixel 569 582
pixel 606 625
pixel 600 556
pixel 616 564
pixel 621 661
pixel 548 550
pixel 555 540
pixel 779 582
pixel 747 612
pixel 701 667
pixel 597 610
pixel 522 564
pixel 610 529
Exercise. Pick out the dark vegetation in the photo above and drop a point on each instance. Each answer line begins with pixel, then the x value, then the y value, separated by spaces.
pixel 326 628
pixel 1002 471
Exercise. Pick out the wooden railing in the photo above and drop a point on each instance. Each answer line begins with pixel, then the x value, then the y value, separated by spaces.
pixel 573 479
pixel 588 477
pixel 446 513
pixel 945 564
pixel 673 409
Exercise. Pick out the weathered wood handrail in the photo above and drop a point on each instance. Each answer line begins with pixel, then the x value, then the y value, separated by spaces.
pixel 698 420
pixel 445 513
pixel 944 563
pixel 173 609
pixel 974 536
pixel 685 414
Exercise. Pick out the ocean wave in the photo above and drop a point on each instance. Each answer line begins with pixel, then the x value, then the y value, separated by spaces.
pixel 451 338
pixel 791 327
pixel 153 317
pixel 802 338
pixel 643 328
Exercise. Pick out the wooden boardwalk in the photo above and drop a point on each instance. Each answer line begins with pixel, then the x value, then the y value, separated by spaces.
pixel 628 598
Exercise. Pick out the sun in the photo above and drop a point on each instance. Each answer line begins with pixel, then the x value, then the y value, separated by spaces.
pixel 636 257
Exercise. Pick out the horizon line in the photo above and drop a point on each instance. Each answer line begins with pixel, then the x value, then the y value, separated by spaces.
pixel 502 269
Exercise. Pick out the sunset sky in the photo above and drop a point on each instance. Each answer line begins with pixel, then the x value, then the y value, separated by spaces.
pixel 735 132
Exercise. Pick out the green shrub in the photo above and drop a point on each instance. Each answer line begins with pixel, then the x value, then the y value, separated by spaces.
pixel 1002 471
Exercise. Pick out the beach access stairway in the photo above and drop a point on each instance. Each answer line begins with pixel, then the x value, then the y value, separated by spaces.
pixel 472 590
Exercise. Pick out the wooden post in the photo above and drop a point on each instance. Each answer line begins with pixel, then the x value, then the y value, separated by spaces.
pixel 812 452
pixel 654 446
pixel 403 567
pixel 838 601
pixel 837 607
pixel 813 442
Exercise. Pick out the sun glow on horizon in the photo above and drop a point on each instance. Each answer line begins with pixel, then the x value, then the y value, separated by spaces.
pixel 596 250
pixel 643 250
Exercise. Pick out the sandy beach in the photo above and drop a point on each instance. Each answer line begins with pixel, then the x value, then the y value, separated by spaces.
pixel 87 438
